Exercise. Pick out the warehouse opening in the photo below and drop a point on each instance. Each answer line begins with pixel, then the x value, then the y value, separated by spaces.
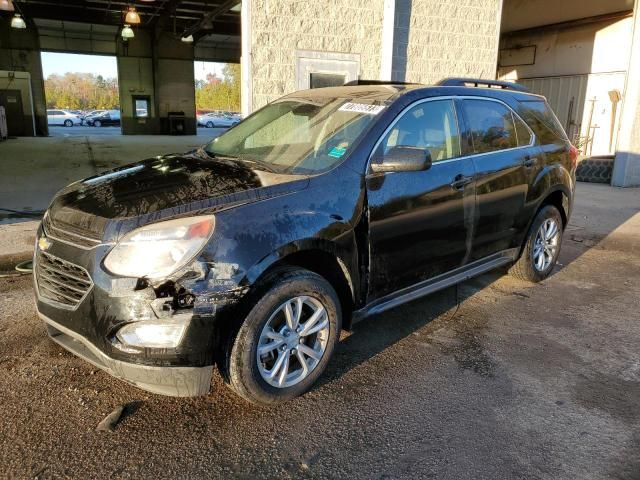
pixel 82 94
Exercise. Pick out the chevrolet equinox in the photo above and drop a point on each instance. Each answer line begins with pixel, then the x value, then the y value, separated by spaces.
pixel 328 205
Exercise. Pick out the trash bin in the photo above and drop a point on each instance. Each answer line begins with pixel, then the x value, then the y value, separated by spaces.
pixel 176 123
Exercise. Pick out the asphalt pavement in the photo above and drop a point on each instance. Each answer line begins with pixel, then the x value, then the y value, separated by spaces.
pixel 517 381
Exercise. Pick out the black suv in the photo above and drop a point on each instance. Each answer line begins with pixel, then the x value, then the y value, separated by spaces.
pixel 321 208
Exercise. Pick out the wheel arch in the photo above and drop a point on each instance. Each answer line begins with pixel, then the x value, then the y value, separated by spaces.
pixel 558 196
pixel 320 257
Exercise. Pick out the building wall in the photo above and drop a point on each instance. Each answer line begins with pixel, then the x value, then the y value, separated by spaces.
pixel 582 49
pixel 160 67
pixel 576 69
pixel 431 39
pixel 444 38
pixel 280 27
pixel 19 52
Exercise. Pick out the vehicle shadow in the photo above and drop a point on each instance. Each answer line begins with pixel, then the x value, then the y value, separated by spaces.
pixel 594 224
pixel 377 333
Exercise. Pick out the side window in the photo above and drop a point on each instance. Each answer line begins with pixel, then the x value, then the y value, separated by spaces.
pixel 429 125
pixel 491 125
pixel 542 121
pixel 522 132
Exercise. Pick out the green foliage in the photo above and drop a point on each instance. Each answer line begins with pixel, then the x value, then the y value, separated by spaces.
pixel 220 94
pixel 83 91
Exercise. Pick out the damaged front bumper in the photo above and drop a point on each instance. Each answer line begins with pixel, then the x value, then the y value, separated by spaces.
pixel 173 381
pixel 83 307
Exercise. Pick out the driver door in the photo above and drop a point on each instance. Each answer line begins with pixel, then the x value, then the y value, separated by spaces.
pixel 420 222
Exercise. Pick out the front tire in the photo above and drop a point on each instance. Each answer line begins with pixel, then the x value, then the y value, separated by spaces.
pixel 286 340
pixel 209 125
pixel 68 123
pixel 541 251
pixel 97 123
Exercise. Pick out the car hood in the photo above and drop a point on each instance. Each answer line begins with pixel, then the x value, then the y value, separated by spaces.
pixel 108 205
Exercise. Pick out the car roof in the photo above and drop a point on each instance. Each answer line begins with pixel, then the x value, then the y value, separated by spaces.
pixel 389 92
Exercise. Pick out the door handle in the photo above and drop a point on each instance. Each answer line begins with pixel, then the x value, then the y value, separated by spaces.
pixel 529 161
pixel 460 181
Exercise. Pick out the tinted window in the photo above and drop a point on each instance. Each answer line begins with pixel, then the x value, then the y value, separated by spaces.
pixel 429 125
pixel 522 132
pixel 491 125
pixel 542 121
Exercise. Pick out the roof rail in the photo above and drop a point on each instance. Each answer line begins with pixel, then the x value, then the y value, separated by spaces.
pixel 376 82
pixel 479 82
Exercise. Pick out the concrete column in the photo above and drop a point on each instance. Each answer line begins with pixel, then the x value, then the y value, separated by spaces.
pixel 388 35
pixel 158 67
pixel 20 51
pixel 626 169
pixel 246 90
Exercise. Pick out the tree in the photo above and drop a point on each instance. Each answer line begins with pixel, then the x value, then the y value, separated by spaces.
pixel 81 91
pixel 220 94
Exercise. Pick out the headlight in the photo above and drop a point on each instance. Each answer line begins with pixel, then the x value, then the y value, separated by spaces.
pixel 157 250
pixel 152 335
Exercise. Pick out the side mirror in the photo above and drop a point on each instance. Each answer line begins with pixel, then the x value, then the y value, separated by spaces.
pixel 403 159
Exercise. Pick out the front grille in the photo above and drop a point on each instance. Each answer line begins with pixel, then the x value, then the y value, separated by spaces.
pixel 66 235
pixel 60 281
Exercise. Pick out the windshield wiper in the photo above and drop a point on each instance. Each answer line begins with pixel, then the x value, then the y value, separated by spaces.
pixel 262 165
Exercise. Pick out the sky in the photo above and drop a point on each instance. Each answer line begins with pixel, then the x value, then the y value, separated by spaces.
pixel 61 63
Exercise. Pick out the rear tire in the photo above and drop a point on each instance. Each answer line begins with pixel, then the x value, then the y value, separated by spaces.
pixel 209 125
pixel 97 123
pixel 68 123
pixel 279 334
pixel 540 253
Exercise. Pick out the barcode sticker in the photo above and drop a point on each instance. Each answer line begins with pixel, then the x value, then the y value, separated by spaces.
pixel 361 108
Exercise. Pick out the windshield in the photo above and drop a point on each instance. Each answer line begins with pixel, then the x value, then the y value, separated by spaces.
pixel 297 136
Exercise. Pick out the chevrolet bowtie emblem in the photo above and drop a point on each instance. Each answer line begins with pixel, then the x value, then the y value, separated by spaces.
pixel 44 243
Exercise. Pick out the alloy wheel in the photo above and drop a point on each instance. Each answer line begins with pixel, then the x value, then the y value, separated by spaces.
pixel 545 245
pixel 293 341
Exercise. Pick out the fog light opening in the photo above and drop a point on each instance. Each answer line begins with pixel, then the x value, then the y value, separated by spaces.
pixel 154 334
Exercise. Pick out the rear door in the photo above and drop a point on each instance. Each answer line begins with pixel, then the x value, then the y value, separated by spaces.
pixel 420 223
pixel 501 146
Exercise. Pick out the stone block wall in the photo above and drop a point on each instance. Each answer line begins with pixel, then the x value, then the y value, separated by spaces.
pixel 280 27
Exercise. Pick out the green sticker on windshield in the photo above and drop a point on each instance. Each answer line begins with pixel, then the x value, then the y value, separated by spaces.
pixel 337 152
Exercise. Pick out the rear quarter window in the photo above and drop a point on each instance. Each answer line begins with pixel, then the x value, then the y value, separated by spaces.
pixel 542 121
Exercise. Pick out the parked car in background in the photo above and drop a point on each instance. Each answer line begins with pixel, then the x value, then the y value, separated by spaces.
pixel 104 119
pixel 91 113
pixel 211 120
pixel 253 252
pixel 62 117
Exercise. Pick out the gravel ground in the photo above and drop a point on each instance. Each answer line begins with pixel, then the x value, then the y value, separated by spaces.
pixel 519 381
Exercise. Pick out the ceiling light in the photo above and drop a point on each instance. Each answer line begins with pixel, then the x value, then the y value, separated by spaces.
pixel 18 22
pixel 188 39
pixel 132 16
pixel 6 5
pixel 127 32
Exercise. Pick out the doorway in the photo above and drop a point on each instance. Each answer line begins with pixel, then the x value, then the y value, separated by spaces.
pixel 82 94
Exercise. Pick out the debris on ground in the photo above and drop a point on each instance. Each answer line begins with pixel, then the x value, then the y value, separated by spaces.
pixel 108 423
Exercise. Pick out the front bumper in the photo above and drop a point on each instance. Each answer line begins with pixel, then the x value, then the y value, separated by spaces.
pixel 173 381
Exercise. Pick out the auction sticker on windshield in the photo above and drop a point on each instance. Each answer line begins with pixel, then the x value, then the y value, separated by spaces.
pixel 361 108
